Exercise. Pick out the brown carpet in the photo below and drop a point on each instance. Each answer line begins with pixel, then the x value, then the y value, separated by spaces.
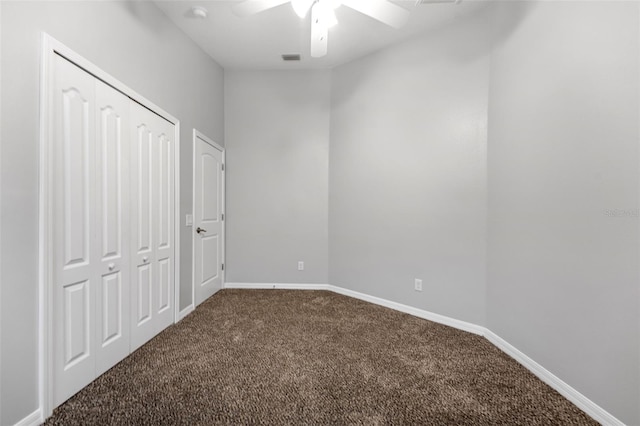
pixel 314 358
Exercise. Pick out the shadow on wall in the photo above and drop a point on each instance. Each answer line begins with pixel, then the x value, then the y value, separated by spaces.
pixel 504 18
pixel 140 12
pixel 470 36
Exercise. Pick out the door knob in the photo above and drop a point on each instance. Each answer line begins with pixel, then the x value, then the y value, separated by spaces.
pixel 145 259
pixel 112 266
pixel 199 230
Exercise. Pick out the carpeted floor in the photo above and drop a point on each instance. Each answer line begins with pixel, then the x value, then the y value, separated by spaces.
pixel 314 358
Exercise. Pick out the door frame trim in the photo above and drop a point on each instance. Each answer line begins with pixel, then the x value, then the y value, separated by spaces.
pixel 197 134
pixel 49 48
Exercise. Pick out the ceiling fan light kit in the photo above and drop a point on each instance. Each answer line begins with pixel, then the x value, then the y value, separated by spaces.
pixel 323 14
pixel 301 7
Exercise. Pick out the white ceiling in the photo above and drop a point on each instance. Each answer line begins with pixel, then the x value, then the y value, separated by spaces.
pixel 258 41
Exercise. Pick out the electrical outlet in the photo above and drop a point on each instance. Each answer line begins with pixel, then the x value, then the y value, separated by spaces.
pixel 417 285
pixel 301 266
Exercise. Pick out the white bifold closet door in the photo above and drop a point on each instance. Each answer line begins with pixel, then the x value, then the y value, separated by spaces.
pixel 113 201
pixel 152 224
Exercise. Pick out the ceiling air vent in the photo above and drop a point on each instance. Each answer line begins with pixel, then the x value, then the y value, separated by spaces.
pixel 291 57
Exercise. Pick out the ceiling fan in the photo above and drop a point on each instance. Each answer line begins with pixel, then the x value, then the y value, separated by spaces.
pixel 323 15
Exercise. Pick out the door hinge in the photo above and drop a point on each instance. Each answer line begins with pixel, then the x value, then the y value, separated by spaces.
pixel 222 216
pixel 223 167
pixel 223 266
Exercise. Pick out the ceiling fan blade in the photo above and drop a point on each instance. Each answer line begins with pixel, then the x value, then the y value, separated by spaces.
pixel 380 10
pixel 319 34
pixel 251 7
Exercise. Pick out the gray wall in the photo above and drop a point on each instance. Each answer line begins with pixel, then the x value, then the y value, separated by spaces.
pixel 277 133
pixel 550 263
pixel 563 149
pixel 138 45
pixel 408 171
pixel 411 161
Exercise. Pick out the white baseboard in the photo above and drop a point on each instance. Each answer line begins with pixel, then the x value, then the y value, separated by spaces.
pixel 277 286
pixel 186 311
pixel 585 404
pixel 598 413
pixel 33 419
pixel 420 313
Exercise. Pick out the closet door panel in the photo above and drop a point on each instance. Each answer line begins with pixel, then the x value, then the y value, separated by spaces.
pixel 143 198
pixel 112 239
pixel 164 222
pixel 153 202
pixel 143 289
pixel 75 266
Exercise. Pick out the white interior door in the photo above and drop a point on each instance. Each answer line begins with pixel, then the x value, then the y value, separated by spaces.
pixel 208 217
pixel 76 272
pixel 152 224
pixel 112 230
